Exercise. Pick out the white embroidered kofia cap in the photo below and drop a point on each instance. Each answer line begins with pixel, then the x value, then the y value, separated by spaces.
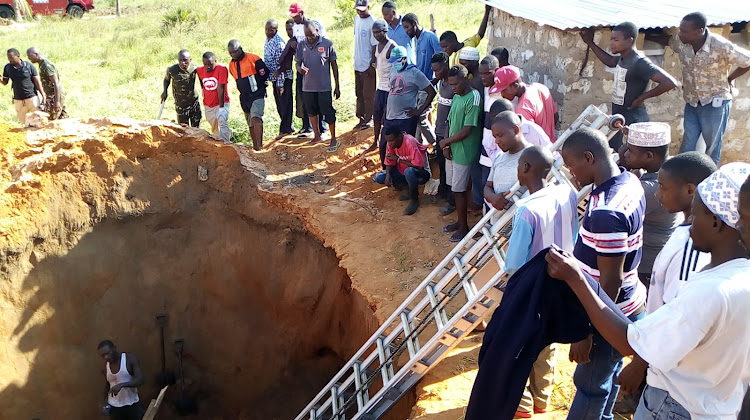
pixel 720 192
pixel 649 134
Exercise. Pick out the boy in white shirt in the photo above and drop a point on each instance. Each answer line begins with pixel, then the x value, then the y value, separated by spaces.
pixel 698 344
pixel 678 179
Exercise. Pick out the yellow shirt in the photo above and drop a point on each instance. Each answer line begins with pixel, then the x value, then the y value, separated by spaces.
pixel 472 41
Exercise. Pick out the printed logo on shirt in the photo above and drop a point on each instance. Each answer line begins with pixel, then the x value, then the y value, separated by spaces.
pixel 398 85
pixel 445 101
pixel 210 83
pixel 363 33
pixel 321 49
pixel 619 88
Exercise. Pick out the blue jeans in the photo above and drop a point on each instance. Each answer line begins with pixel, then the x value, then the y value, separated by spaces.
pixel 596 381
pixel 707 120
pixel 479 175
pixel 656 404
pixel 412 177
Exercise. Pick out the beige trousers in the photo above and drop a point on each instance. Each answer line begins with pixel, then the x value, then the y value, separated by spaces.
pixel 541 382
pixel 24 106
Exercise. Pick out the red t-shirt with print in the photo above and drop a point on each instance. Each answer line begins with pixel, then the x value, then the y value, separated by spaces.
pixel 210 83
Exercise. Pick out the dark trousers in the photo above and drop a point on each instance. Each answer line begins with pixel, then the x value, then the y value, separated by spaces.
pixel 364 88
pixel 479 175
pixel 302 111
pixel 444 190
pixel 408 125
pixel 128 412
pixel 284 105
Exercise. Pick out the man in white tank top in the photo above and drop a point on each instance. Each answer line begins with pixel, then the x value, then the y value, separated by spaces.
pixel 124 375
pixel 381 52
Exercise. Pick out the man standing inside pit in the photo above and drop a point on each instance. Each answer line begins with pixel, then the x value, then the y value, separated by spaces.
pixel 449 40
pixel 26 84
pixel 316 59
pixel 213 78
pixel 53 91
pixel 272 52
pixel 124 376
pixel 364 64
pixel 297 13
pixel 182 77
pixel 251 75
pixel 633 71
pixel 707 84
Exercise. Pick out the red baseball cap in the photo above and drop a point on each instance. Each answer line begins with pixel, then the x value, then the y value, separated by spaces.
pixel 295 9
pixel 504 77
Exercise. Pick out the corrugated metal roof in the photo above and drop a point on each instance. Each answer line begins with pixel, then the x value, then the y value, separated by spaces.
pixel 579 14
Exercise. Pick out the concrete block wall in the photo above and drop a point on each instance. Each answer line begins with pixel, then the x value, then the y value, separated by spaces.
pixel 554 58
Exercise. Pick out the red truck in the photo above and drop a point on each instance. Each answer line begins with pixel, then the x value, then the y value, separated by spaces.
pixel 74 8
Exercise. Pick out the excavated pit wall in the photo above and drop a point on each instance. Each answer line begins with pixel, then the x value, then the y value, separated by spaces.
pixel 106 225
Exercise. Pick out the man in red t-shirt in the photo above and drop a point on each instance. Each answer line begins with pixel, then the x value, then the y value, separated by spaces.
pixel 405 163
pixel 535 101
pixel 213 79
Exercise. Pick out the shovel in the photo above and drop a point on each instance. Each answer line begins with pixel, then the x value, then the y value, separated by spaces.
pixel 161 109
pixel 163 378
pixel 186 405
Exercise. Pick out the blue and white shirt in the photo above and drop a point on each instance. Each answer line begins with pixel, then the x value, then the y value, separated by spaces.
pixel 549 216
pixel 612 227
pixel 271 54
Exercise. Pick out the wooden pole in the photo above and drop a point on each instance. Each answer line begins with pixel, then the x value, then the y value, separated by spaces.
pixel 117 7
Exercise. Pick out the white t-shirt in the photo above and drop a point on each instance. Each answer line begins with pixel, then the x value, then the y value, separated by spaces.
pixel 533 133
pixel 504 173
pixel 698 345
pixel 298 30
pixel 675 265
pixel 363 42
pixel 488 140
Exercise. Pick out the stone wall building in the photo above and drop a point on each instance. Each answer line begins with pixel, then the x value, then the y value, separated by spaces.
pixel 543 41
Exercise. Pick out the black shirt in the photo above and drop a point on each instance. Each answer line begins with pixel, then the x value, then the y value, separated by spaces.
pixel 23 82
pixel 632 75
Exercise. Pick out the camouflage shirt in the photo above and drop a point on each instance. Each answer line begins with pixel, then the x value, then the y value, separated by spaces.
pixel 183 84
pixel 47 70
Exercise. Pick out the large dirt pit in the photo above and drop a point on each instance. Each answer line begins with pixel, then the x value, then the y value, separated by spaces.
pixel 107 224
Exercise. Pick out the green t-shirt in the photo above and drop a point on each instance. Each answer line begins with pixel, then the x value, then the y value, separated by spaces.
pixel 465 110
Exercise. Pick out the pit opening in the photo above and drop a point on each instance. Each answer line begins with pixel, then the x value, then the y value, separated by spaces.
pixel 265 311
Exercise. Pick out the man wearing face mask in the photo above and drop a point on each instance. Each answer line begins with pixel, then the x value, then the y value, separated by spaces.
pixel 406 81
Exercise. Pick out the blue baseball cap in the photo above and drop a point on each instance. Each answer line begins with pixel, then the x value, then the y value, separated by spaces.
pixel 397 54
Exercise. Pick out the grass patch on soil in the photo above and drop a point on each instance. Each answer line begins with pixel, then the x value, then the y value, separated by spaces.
pixel 113 66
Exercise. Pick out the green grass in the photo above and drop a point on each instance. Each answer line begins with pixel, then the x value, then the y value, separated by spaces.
pixel 113 66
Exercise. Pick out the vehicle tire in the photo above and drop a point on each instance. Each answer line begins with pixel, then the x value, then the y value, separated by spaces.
pixel 75 10
pixel 7 12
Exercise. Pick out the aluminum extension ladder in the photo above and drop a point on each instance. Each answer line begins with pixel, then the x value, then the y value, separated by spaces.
pixel 450 302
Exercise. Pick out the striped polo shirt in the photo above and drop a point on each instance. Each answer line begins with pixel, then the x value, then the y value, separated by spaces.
pixel 613 226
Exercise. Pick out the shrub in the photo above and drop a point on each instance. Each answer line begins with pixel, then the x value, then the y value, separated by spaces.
pixel 344 14
pixel 179 19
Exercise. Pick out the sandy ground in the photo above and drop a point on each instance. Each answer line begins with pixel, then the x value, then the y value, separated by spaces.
pixel 385 253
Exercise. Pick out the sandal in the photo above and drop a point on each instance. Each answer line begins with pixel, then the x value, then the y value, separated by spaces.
pixel 334 147
pixel 458 236
pixel 451 227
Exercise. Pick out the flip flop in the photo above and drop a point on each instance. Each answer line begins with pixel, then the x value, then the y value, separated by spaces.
pixel 450 228
pixel 334 147
pixel 456 237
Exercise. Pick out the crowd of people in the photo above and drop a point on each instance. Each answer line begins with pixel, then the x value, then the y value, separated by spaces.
pixel 663 238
